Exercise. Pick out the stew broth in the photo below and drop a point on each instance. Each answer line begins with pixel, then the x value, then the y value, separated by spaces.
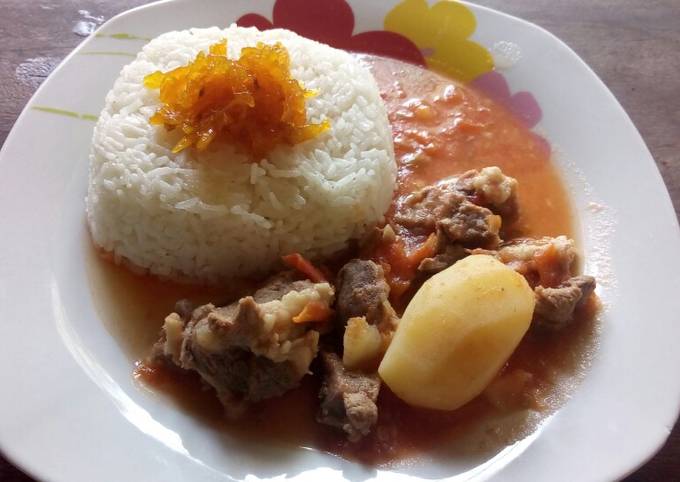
pixel 441 128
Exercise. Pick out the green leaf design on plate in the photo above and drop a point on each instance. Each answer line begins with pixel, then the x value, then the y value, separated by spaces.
pixel 67 113
pixel 108 52
pixel 122 36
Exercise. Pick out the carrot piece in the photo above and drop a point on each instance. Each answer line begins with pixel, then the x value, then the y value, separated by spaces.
pixel 397 288
pixel 549 267
pixel 298 262
pixel 426 250
pixel 314 311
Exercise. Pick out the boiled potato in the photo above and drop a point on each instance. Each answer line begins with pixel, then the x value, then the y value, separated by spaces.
pixel 456 334
pixel 362 344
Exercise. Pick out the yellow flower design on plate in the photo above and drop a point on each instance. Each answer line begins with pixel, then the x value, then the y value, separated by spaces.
pixel 442 32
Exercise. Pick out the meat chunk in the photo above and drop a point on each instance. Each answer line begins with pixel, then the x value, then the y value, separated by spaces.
pixel 465 212
pixel 492 189
pixel 348 399
pixel 542 261
pixel 555 306
pixel 547 264
pixel 363 292
pixel 443 208
pixel 471 225
pixel 521 252
pixel 447 255
pixel 184 309
pixel 251 349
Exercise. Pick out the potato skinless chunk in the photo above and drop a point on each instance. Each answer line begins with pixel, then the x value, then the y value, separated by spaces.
pixel 173 328
pixel 362 344
pixel 457 333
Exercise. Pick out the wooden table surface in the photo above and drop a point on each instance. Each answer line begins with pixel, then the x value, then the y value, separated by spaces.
pixel 633 45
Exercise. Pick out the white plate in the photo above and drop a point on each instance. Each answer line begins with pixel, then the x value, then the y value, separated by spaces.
pixel 69 409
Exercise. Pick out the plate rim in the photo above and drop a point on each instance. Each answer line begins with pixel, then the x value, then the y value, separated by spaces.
pixel 29 466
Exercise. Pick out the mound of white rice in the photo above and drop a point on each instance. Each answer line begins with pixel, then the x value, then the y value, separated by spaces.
pixel 214 215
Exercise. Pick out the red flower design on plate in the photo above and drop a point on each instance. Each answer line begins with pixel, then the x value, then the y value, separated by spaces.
pixel 332 22
pixel 522 104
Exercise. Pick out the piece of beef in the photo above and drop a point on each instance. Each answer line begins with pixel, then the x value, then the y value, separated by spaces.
pixel 555 306
pixel 250 349
pixel 442 207
pixel 465 212
pixel 184 308
pixel 280 285
pixel 348 399
pixel 472 226
pixel 376 238
pixel 492 189
pixel 547 264
pixel 542 261
pixel 447 255
pixel 441 261
pixel 459 224
pixel 363 291
pixel 367 320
